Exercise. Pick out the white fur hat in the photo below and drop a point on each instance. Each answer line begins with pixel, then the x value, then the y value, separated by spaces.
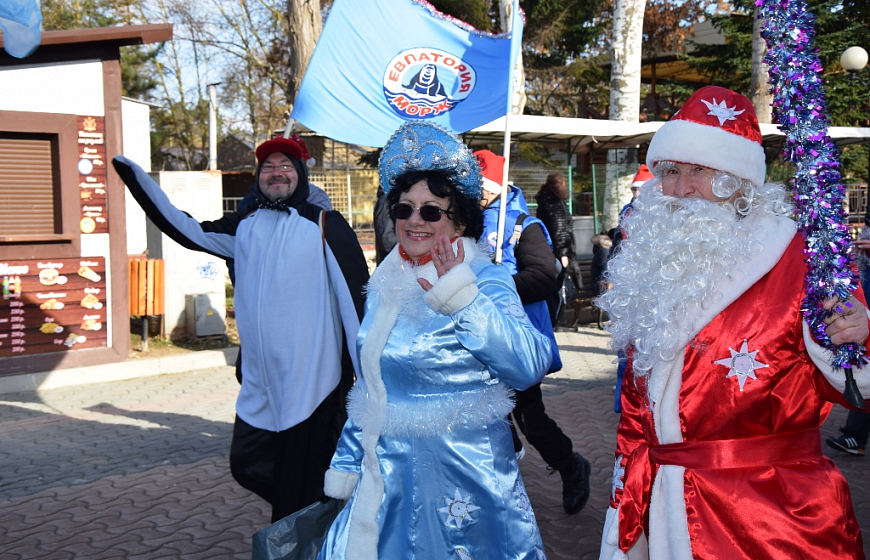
pixel 716 128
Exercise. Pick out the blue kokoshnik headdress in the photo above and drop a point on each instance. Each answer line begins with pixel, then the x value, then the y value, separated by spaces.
pixel 423 146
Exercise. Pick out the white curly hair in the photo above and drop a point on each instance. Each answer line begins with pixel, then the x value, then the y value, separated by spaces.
pixel 674 251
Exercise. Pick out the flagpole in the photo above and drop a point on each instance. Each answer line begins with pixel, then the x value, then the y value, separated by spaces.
pixel 502 207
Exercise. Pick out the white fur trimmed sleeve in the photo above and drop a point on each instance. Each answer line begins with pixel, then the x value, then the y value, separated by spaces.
pixel 453 291
pixel 822 358
pixel 346 465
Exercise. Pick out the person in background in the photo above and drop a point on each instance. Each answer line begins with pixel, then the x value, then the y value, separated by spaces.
pixel 528 256
pixel 385 229
pixel 554 214
pixel 718 450
pixel 426 461
pixel 300 274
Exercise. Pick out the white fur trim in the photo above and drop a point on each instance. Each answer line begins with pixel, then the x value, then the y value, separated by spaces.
pixel 710 146
pixel 339 484
pixel 433 415
pixel 668 523
pixel 453 291
pixel 823 357
pixel 491 186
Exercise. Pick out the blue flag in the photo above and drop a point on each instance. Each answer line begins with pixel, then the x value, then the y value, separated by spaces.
pixel 21 22
pixel 379 63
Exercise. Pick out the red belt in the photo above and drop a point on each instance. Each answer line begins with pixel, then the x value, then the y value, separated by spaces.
pixel 761 451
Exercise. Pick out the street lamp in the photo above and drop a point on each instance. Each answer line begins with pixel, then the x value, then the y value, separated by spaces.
pixel 853 60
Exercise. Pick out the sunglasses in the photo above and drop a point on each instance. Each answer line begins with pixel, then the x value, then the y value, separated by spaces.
pixel 403 211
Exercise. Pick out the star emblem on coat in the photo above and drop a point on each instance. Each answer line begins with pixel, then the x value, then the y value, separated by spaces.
pixel 742 364
pixel 457 508
pixel 721 111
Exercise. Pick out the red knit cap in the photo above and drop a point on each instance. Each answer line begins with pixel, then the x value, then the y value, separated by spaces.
pixel 292 145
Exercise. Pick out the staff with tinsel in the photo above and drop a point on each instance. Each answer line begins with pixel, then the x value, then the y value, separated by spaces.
pixel 799 107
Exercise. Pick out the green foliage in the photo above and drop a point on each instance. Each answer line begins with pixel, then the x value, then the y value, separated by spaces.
pixel 136 62
pixel 482 14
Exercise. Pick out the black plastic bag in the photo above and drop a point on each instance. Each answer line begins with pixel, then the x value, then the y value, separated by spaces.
pixel 298 536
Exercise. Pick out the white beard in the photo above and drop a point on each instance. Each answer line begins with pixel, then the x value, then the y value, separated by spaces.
pixel 667 270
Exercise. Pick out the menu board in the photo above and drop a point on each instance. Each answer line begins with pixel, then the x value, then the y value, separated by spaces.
pixel 92 175
pixel 55 305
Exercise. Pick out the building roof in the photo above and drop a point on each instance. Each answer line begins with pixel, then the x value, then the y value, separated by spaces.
pixel 99 42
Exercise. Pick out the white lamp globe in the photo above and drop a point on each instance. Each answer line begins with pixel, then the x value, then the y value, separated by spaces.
pixel 853 59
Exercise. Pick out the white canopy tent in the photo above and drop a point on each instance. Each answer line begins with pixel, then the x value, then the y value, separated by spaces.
pixel 577 136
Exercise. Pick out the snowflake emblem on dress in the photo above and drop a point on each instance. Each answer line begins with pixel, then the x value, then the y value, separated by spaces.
pixel 464 554
pixel 618 474
pixel 722 111
pixel 539 552
pixel 742 364
pixel 458 508
pixel 515 308
pixel 525 503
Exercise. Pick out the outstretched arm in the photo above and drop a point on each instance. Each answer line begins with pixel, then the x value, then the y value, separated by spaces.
pixel 216 238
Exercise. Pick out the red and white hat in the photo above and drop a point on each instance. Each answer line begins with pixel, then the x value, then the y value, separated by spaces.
pixel 492 167
pixel 292 145
pixel 716 128
pixel 642 176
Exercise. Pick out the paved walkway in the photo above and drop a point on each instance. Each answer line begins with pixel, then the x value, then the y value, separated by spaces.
pixel 138 469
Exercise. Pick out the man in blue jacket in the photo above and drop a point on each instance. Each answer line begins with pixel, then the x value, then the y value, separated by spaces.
pixel 528 254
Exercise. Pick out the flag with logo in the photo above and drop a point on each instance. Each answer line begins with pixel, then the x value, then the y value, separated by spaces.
pixel 379 63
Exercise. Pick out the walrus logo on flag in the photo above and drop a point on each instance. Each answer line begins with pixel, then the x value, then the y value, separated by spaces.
pixel 422 83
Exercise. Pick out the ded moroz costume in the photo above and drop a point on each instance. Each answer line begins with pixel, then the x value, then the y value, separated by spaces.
pixel 718 448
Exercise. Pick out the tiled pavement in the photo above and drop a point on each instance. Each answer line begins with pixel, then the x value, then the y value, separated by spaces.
pixel 138 469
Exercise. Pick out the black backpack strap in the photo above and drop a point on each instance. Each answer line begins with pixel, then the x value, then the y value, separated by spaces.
pixel 518 229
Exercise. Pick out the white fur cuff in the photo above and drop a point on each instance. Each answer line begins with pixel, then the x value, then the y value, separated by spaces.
pixel 453 291
pixel 339 484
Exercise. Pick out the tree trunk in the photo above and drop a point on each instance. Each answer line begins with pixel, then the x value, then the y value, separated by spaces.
pixel 305 26
pixel 625 58
pixel 759 91
pixel 518 95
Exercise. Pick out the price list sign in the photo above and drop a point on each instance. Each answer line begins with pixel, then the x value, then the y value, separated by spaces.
pixel 56 305
pixel 92 175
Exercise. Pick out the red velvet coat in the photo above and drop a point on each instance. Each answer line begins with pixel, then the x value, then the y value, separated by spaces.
pixel 751 409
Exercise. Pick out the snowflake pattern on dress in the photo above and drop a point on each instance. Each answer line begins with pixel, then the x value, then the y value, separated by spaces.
pixel 457 509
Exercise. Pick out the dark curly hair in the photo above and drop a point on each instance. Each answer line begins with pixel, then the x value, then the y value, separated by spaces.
pixel 464 210
pixel 557 184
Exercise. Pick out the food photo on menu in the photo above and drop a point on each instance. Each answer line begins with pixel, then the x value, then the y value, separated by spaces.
pixel 52 305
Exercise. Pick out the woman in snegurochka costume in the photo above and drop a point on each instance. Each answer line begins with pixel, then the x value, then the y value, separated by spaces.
pixel 426 460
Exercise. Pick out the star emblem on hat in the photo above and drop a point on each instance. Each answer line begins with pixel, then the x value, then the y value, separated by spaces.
pixel 721 111
pixel 742 364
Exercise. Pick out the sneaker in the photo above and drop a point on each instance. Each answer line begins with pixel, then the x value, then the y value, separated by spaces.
pixel 575 486
pixel 845 443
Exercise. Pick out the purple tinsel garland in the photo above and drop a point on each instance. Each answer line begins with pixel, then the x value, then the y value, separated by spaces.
pixel 799 107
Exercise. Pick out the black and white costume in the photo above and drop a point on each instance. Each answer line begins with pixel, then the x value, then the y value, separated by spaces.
pixel 297 288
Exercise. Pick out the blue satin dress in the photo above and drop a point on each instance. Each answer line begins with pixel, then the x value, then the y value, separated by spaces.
pixel 426 460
